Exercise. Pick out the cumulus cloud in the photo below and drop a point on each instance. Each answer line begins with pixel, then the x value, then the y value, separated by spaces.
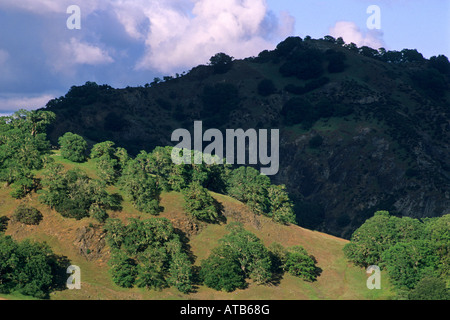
pixel 173 34
pixel 180 34
pixel 76 52
pixel 350 32
pixel 9 105
pixel 84 53
pixel 52 6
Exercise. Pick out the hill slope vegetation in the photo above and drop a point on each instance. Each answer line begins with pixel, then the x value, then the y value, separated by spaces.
pixel 361 129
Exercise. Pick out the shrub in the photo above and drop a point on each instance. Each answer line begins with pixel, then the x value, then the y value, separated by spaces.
pixel 27 215
pixel 3 223
pixel 430 288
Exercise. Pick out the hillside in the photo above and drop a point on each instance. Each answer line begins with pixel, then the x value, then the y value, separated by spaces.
pixel 82 242
pixel 361 130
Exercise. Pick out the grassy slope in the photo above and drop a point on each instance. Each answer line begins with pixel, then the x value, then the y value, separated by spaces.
pixel 339 279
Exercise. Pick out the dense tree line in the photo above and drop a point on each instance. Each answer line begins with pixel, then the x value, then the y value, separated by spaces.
pixel 409 250
pixel 304 61
pixel 76 195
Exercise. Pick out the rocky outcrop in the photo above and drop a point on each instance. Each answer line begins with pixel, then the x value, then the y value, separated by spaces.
pixel 91 243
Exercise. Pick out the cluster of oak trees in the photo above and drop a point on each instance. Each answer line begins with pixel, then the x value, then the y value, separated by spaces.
pixel 150 254
pixel 241 255
pixel 144 177
pixel 147 253
pixel 415 253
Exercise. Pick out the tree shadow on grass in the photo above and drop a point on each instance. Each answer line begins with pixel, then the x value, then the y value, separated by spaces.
pixel 59 265
pixel 221 218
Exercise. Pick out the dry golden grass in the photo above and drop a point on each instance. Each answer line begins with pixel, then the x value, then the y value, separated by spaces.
pixel 339 279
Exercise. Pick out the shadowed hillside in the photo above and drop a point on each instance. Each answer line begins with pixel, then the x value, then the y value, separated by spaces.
pixel 361 130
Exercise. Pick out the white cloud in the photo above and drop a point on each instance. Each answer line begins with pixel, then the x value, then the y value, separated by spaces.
pixel 53 6
pixel 187 33
pixel 350 32
pixel 14 103
pixel 76 52
pixel 84 53
pixel 176 34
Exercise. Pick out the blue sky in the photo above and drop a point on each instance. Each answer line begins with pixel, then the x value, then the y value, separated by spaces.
pixel 129 42
pixel 420 24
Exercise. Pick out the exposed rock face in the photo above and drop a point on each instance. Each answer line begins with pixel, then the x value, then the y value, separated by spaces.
pixel 351 178
pixel 188 226
pixel 91 242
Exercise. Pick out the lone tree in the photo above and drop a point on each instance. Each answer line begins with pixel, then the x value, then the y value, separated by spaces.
pixel 221 62
pixel 73 147
pixel 199 203
pixel 281 207
pixel 300 264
